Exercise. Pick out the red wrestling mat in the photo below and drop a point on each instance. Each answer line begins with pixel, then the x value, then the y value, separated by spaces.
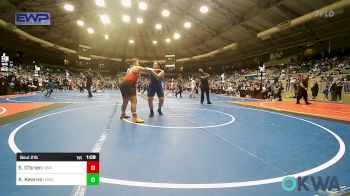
pixel 331 111
pixel 16 95
pixel 7 109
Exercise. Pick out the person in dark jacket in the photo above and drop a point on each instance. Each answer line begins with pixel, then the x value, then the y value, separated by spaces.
pixel 338 90
pixel 179 89
pixel 204 78
pixel 314 91
pixel 302 90
pixel 50 86
pixel 88 84
pixel 279 91
pixel 333 90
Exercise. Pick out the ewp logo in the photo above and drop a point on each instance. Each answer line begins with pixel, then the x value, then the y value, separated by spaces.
pixel 33 18
pixel 331 183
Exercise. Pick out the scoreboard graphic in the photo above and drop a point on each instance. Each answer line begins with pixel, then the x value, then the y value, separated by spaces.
pixel 84 52
pixel 170 61
pixel 57 169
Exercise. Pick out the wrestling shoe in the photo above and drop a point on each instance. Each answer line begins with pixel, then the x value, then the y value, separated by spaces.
pixel 151 114
pixel 123 116
pixel 160 112
pixel 137 120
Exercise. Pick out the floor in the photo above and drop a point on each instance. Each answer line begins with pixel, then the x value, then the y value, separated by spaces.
pixel 194 149
pixel 328 110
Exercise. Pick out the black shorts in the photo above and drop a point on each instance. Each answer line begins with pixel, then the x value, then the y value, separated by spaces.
pixel 151 91
pixel 128 89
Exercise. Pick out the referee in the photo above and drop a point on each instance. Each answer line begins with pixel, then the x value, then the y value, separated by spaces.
pixel 88 85
pixel 204 78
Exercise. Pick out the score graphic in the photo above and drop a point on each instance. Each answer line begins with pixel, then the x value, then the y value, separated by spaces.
pixel 57 169
pixel 93 176
pixel 170 61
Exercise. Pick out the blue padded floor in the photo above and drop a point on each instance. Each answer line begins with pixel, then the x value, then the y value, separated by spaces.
pixel 194 149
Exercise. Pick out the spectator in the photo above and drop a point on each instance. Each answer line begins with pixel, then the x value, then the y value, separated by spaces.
pixel 314 91
pixel 333 90
pixel 302 90
pixel 339 90
pixel 325 92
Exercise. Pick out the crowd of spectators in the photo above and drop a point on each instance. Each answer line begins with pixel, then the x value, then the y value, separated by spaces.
pixel 26 79
pixel 328 76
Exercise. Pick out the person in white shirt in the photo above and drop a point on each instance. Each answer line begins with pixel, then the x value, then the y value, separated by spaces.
pixel 193 88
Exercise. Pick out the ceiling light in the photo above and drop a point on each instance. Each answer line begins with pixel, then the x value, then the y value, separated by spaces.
pixel 80 23
pixel 167 40
pixel 154 42
pixel 126 3
pixel 143 5
pixel 126 18
pixel 100 3
pixel 158 26
pixel 106 37
pixel 187 25
pixel 131 41
pixel 90 30
pixel 105 19
pixel 139 20
pixel 204 9
pixel 165 13
pixel 177 36
pixel 69 7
